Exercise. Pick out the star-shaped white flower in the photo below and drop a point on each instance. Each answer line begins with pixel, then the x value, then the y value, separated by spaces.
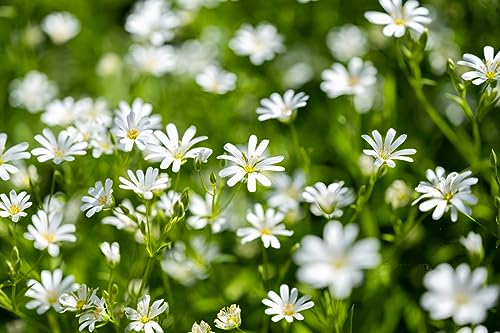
pixel 487 70
pixel 385 152
pixel 286 305
pixel 143 319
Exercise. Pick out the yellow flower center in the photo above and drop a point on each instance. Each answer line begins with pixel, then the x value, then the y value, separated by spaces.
pixel 49 237
pixel 288 309
pixel 51 297
pixel 133 133
pixel 144 319
pixel 399 22
pixel 1 161
pixel 339 262
pixel 266 231
pixel 14 209
pixel 248 169
pixel 102 200
pixel 58 153
pixel 490 75
pixel 447 196
pixel 80 304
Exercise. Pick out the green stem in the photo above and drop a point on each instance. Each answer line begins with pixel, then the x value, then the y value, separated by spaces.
pixel 13 297
pixel 362 200
pixel 265 266
pixel 233 195
pixel 145 276
pixel 53 323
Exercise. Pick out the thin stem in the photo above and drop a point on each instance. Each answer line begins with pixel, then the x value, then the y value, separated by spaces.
pixel 13 297
pixel 265 271
pixel 53 323
pixel 363 199
pixel 145 276
pixel 233 195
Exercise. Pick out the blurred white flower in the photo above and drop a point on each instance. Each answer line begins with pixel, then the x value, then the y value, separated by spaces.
pixel 260 43
pixel 357 79
pixel 144 183
pixel 460 294
pixel 110 63
pixel 398 194
pixel 202 327
pixel 328 201
pixel 172 151
pixel 280 107
pixel 14 205
pixel 475 329
pixel 111 252
pixel 385 152
pixel 121 219
pixel 399 17
pixel 286 305
pixel 133 125
pixel 249 166
pixel 143 319
pixel 229 318
pixel 187 266
pixel 193 56
pixel 216 80
pixel 15 153
pixel 346 42
pixel 443 193
pixel 60 26
pixel 60 150
pixel 101 144
pixel 203 214
pixel 45 294
pixel 482 71
pixel 366 165
pixel 167 201
pixel 32 92
pixel 100 197
pixel 60 112
pixel 266 225
pixel 298 74
pixel 25 175
pixel 152 21
pixel 441 46
pixel 286 193
pixel 94 112
pixel 154 60
pixel 336 261
pixel 47 232
pixel 473 243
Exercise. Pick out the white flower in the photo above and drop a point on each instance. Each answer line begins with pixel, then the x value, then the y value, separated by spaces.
pixel 202 327
pixel 298 74
pixel 60 150
pixel 173 151
pixel 385 152
pixel 266 225
pixel 181 267
pixel 249 166
pixel 46 294
pixel 47 232
pixel 61 27
pixel 121 220
pixel 101 144
pixel 228 318
pixel 399 17
pixel 14 205
pixel 443 193
pixel 60 112
pixel 216 80
pixel 336 261
pixel 133 125
pixel 357 79
pixel 286 305
pixel 153 21
pixel 154 60
pixel 328 201
pixel 286 193
pixel 473 243
pixel 111 252
pixel 347 42
pixel 483 71
pixel 167 202
pixel 144 184
pixel 398 194
pixel 77 300
pixel 143 319
pixel 95 112
pixel 203 213
pixel 97 313
pixel 476 329
pixel 100 197
pixel 25 176
pixel 193 56
pixel 260 43
pixel 14 153
pixel 460 294
pixel 366 166
pixel 281 108
pixel 32 92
